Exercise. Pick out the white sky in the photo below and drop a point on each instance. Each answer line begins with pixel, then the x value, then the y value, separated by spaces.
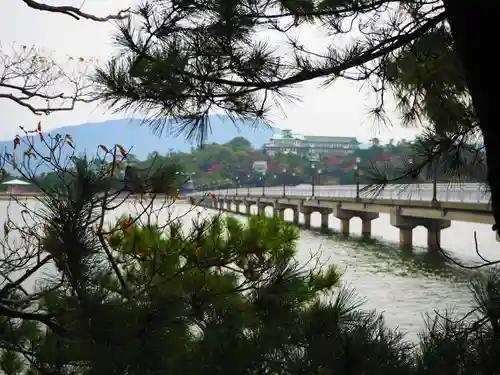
pixel 340 110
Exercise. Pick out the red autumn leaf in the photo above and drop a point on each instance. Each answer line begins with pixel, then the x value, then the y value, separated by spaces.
pixel 122 150
pixel 104 148
pixel 17 141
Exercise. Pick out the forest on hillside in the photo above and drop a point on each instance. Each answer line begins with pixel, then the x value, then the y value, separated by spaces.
pixel 231 164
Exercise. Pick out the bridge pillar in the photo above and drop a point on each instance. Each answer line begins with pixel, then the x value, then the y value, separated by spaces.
pixel 366 222
pixel 306 211
pixel 406 224
pixel 261 208
pixel 237 204
pixel 434 228
pixel 296 216
pixel 279 211
pixel 325 213
pixel 324 220
pixel 222 205
pixel 247 208
pixel 345 217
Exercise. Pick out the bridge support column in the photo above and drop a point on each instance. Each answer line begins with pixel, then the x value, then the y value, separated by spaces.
pixel 345 220
pixel 345 217
pixel 366 222
pixel 324 220
pixel 296 216
pixel 279 211
pixel 306 211
pixel 434 228
pixel 261 208
pixel 406 224
pixel 237 206
pixel 325 213
pixel 247 209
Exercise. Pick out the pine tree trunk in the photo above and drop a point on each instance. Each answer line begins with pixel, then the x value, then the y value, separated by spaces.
pixel 472 25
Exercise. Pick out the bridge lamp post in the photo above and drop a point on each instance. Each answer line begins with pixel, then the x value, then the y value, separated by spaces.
pixel 434 182
pixel 356 171
pixel 263 178
pixel 248 186
pixel 319 176
pixel 237 184
pixel 284 185
pixel 313 168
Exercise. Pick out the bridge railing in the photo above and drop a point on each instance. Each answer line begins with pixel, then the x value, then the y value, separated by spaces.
pixel 473 193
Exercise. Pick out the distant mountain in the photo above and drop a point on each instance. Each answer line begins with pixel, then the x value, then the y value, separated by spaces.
pixel 134 135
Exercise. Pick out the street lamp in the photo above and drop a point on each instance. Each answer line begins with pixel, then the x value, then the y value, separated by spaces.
pixel 356 171
pixel 248 186
pixel 319 176
pixel 284 185
pixel 434 181
pixel 237 184
pixel 263 178
pixel 313 166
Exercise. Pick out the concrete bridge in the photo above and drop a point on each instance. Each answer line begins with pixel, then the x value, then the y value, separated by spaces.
pixel 407 209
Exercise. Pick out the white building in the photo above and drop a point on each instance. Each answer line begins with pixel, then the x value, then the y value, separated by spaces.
pixel 311 145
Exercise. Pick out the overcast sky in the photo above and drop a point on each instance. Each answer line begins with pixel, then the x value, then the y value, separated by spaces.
pixel 340 110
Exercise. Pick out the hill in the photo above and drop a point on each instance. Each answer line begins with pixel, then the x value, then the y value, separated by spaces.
pixel 134 135
pixel 131 133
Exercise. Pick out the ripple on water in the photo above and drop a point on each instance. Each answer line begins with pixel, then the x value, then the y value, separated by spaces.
pixel 405 285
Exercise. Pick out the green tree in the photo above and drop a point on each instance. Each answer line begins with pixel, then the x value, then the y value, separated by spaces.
pixel 239 143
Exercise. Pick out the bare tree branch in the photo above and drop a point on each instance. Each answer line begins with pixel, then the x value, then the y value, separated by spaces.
pixel 34 80
pixel 74 12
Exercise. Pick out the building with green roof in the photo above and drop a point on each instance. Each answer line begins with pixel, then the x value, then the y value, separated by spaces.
pixel 311 145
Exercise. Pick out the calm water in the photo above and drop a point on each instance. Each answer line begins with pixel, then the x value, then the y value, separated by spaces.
pixel 405 285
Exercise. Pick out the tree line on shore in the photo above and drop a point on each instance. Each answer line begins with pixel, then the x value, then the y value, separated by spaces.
pixel 231 164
